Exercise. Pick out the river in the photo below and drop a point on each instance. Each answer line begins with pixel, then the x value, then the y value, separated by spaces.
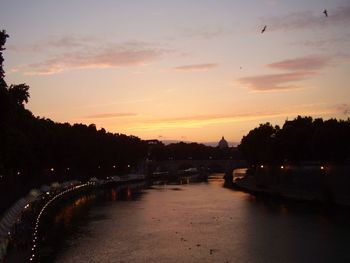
pixel 202 222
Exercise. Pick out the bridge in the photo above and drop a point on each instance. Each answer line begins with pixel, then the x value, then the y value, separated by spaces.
pixel 203 166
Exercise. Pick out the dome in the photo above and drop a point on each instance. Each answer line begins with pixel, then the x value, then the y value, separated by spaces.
pixel 223 143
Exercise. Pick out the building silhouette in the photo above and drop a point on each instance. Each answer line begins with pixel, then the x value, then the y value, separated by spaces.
pixel 222 143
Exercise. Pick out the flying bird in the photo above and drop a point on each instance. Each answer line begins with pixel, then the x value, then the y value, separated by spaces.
pixel 325 12
pixel 263 30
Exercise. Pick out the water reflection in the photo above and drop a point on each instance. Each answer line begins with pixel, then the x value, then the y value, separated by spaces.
pixel 201 222
pixel 64 221
pixel 114 194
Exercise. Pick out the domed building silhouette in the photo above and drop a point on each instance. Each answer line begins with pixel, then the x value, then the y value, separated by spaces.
pixel 222 143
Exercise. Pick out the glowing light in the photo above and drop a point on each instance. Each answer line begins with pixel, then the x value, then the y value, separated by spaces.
pixel 282 167
pixel 52 169
pixel 261 166
pixel 322 167
pixel 18 173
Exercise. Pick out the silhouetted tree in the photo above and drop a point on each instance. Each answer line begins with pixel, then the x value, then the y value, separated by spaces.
pixel 30 146
pixel 3 37
pixel 19 93
pixel 260 145
pixel 300 140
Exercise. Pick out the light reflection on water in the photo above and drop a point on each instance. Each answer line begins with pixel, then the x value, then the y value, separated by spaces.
pixel 194 223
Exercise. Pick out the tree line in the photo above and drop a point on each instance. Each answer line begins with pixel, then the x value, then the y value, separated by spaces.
pixel 301 140
pixel 186 151
pixel 36 151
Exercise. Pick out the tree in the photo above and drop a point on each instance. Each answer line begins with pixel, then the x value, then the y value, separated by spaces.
pixel 260 144
pixel 19 93
pixel 300 140
pixel 3 37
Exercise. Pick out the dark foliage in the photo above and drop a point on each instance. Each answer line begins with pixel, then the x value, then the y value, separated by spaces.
pixel 36 151
pixel 300 140
pixel 183 151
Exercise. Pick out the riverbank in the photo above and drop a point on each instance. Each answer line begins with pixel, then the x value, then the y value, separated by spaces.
pixel 313 183
pixel 21 224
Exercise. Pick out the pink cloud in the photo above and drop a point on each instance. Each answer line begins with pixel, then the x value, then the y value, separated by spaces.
pixel 196 67
pixel 117 55
pixel 275 82
pixel 54 43
pixel 297 69
pixel 303 63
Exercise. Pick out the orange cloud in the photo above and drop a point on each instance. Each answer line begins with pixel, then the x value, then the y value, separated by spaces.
pixel 197 121
pixel 110 115
pixel 196 67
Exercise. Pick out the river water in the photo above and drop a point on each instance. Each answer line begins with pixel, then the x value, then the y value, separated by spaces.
pixel 202 222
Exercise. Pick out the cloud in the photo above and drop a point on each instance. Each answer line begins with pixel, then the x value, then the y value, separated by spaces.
pixel 303 63
pixel 113 55
pixel 110 115
pixel 310 20
pixel 199 121
pixel 275 82
pixel 297 69
pixel 196 67
pixel 55 43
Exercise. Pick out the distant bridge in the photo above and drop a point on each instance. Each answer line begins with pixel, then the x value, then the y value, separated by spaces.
pixel 203 166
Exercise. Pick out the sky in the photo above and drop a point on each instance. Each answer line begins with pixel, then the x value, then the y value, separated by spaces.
pixel 191 70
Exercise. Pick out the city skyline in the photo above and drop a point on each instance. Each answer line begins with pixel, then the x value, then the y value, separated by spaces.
pixel 190 70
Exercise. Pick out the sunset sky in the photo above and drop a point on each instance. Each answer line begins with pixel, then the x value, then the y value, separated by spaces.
pixel 191 70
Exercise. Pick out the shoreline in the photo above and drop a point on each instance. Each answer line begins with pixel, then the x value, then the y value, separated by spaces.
pixel 248 184
pixel 19 249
